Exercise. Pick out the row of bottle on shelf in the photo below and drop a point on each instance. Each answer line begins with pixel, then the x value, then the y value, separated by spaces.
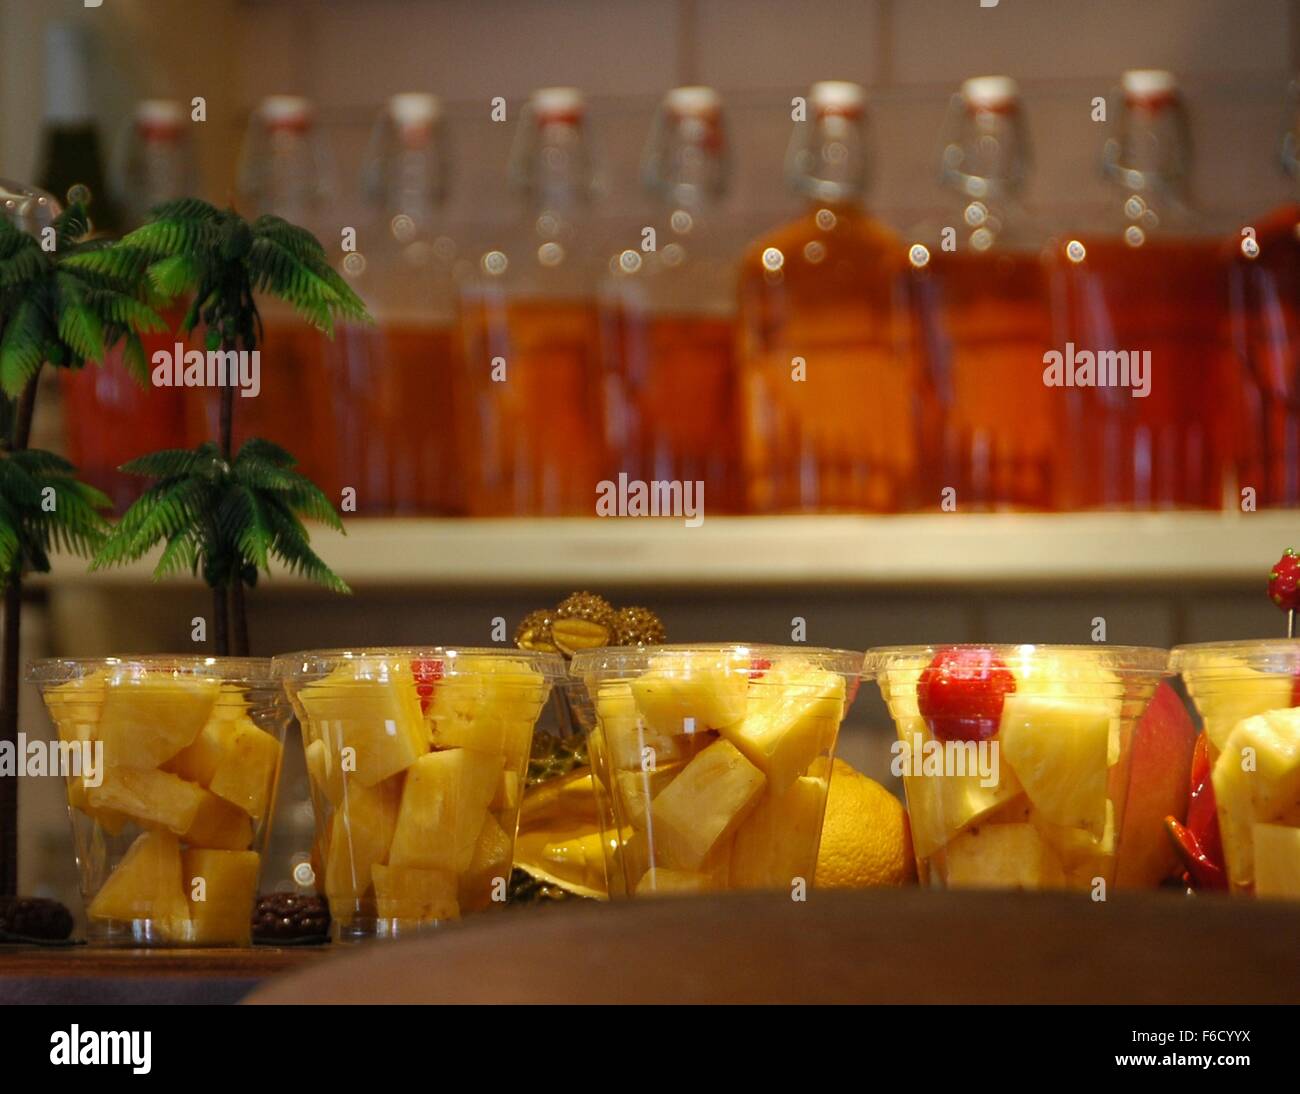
pixel 980 361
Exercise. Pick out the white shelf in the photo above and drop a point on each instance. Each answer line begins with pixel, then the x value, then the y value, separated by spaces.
pixel 867 552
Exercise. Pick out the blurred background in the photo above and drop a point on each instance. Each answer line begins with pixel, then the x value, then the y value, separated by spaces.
pixel 1154 568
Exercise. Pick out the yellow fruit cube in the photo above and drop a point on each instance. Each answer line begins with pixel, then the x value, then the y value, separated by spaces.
pixel 361 831
pixel 324 772
pixel 490 705
pixel 152 797
pixel 1227 691
pixel 636 790
pixel 491 860
pixel 246 773
pixel 198 761
pixel 1001 856
pixel 443 807
pixel 219 826
pixel 146 885
pixel 1057 749
pixel 75 706
pixel 506 799
pixel 792 718
pixel 1083 857
pixel 1234 803
pixel 692 691
pixel 778 841
pixel 1277 861
pixel 415 893
pixel 222 889
pixel 701 808
pixel 146 720
pixel 371 723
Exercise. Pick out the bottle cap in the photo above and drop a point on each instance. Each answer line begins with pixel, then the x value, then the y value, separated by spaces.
pixel 1149 86
pixel 159 118
pixel 414 109
pixel 558 104
pixel 286 112
pixel 993 93
pixel 693 102
pixel 838 97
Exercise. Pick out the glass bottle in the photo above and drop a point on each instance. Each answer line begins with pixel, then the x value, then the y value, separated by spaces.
pixel 393 390
pixel 1145 295
pixel 531 419
pixel 982 305
pixel 109 416
pixel 1265 339
pixel 285 171
pixel 668 315
pixel 829 401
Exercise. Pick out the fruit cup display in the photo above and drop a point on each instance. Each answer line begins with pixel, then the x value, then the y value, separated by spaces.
pixel 714 761
pixel 172 805
pixel 1248 696
pixel 1016 760
pixel 417 759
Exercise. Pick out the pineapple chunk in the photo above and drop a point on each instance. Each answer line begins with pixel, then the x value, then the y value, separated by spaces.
pixel 492 854
pixel 638 789
pixel 1058 749
pixel 683 692
pixel 701 808
pixel 793 716
pixel 490 705
pixel 378 719
pixel 443 806
pixel 630 736
pixel 198 761
pixel 1001 856
pixel 361 831
pixel 1234 804
pixel 1227 691
pixel 75 706
pixel 416 894
pixel 324 773
pixel 219 826
pixel 1082 855
pixel 246 773
pixel 146 885
pixel 146 720
pixel 1277 861
pixel 778 841
pixel 1267 793
pixel 506 799
pixel 229 890
pixel 152 797
pixel 942 805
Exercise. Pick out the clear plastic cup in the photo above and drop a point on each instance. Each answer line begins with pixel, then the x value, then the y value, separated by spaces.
pixel 171 802
pixel 712 762
pixel 417 758
pixel 1248 696
pixel 1015 759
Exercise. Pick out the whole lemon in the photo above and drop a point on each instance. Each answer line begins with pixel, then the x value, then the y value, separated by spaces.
pixel 865 837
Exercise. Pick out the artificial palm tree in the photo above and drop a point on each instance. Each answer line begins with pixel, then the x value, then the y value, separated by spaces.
pixel 214 511
pixel 55 311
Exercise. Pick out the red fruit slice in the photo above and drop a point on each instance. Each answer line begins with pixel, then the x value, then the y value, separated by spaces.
pixel 1202 814
pixel 1201 871
pixel 427 672
pixel 960 693
pixel 758 667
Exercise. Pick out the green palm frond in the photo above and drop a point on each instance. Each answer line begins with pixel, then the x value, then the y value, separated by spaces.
pixel 43 507
pixel 171 463
pixel 22 346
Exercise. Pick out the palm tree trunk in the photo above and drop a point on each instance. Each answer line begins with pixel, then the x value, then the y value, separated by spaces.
pixel 9 670
pixel 227 421
pixel 222 597
pixel 220 623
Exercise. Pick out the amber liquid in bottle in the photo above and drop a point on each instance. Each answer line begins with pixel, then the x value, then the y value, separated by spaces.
pixel 1169 449
pixel 829 408
pixel 1266 359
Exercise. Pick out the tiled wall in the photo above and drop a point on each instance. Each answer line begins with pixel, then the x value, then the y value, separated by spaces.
pixel 1234 58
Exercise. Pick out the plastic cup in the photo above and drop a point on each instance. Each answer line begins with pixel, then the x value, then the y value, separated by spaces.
pixel 1248 696
pixel 712 762
pixel 417 758
pixel 1015 759
pixel 172 799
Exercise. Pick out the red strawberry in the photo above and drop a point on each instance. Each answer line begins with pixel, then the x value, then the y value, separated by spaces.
pixel 758 667
pixel 1284 581
pixel 428 671
pixel 960 693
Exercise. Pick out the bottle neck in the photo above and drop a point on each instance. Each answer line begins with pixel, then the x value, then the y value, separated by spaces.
pixel 986 158
pixel 828 162
pixel 553 169
pixel 686 163
pixel 1150 156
